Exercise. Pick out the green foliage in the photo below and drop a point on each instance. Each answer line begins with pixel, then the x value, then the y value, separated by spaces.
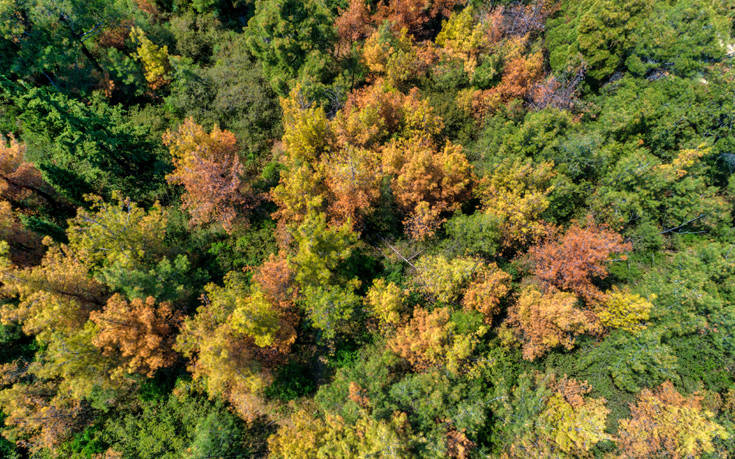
pixel 183 425
pixel 387 295
pixel 286 35
pixel 82 148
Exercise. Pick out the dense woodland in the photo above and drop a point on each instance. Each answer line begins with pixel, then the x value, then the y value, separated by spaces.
pixel 360 228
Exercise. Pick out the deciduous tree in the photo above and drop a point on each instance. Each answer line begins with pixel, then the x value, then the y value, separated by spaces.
pixel 517 194
pixel 577 258
pixel 543 321
pixel 626 310
pixel 490 286
pixel 209 168
pixel 142 331
pixel 665 423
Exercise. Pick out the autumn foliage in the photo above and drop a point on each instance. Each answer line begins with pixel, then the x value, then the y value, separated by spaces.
pixel 209 168
pixel 665 423
pixel 142 331
pixel 577 258
pixel 542 321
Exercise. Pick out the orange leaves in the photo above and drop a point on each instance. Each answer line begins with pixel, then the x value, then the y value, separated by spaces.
pixel 208 166
pixel 543 321
pixel 665 423
pixel 140 330
pixel 577 258
pixel 339 166
pixel 423 341
pixel 485 292
pixel 427 182
pixel 431 339
pixel 353 182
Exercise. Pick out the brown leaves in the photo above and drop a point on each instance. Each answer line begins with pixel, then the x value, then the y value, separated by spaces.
pixel 577 258
pixel 140 330
pixel 209 168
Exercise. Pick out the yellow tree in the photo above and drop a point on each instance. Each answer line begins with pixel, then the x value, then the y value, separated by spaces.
pixel 622 309
pixel 516 192
pixel 155 60
pixel 665 423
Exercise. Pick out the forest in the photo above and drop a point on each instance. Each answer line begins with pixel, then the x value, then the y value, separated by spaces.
pixel 367 229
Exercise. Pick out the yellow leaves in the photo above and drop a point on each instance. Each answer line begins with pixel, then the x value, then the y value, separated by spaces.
pixel 386 301
pixel 444 279
pixel 665 423
pixel 307 134
pixel 685 160
pixel 516 192
pixel 55 296
pixel 255 317
pixel 119 231
pixel 307 436
pixel 625 310
pixel 461 36
pixel 392 55
pixel 156 66
pixel 576 429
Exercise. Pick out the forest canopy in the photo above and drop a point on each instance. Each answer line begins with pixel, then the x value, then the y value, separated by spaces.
pixel 367 228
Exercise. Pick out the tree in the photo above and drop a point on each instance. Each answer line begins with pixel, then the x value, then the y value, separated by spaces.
pixel 25 246
pixel 141 331
pixel 386 302
pixel 431 339
pixel 596 33
pixel 229 364
pixel 83 148
pixel 309 436
pixel 48 41
pixel 238 334
pixel 543 321
pixel 155 60
pixel 578 257
pixel 321 252
pixel 464 37
pixel 55 296
pixel 284 35
pixel 427 182
pixel 445 280
pixel 20 182
pixel 353 178
pixel 490 286
pixel 516 193
pixel 38 417
pixel 664 422
pixel 622 309
pixel 561 421
pixel 209 168
pixel 394 56
pixel 417 15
